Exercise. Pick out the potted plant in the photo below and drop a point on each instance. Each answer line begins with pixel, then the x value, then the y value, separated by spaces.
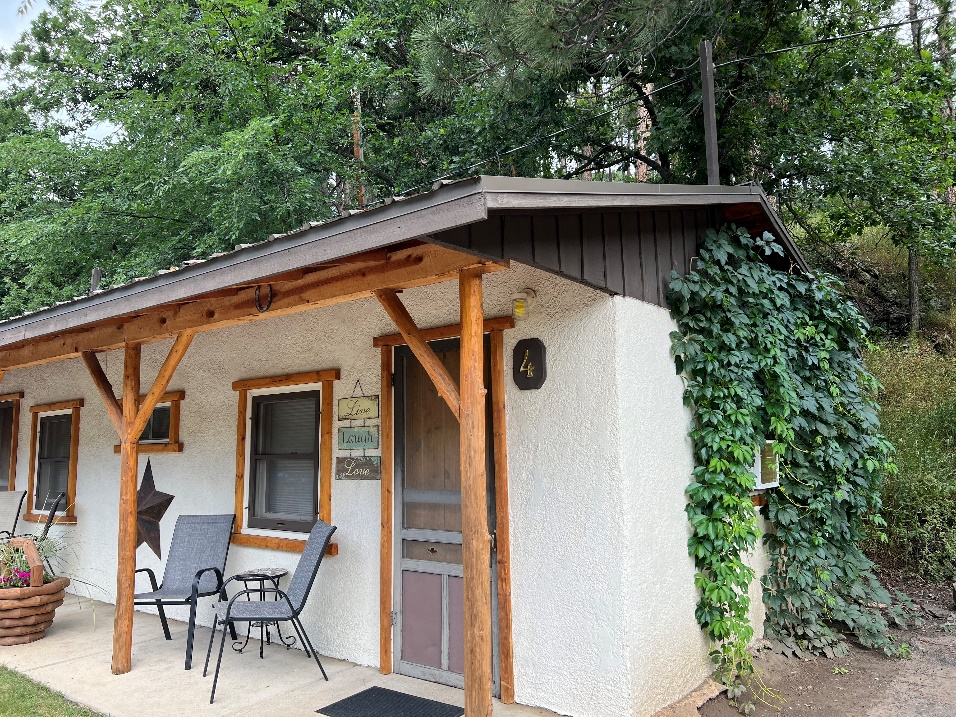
pixel 29 595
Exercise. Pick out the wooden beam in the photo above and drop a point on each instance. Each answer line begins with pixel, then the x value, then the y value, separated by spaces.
pixel 105 388
pixel 416 266
pixel 385 547
pixel 58 406
pixel 444 383
pixel 325 450
pixel 13 396
pixel 14 444
pixel 165 375
pixel 476 541
pixel 241 425
pixel 292 379
pixel 445 332
pixel 506 667
pixel 126 537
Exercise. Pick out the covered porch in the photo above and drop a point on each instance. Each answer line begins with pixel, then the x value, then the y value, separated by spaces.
pixel 71 658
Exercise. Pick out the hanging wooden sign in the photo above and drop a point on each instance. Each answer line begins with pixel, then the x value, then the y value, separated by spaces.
pixel 358 408
pixel 358 468
pixel 530 368
pixel 358 438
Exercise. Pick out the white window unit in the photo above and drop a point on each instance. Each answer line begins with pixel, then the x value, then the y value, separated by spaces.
pixel 766 468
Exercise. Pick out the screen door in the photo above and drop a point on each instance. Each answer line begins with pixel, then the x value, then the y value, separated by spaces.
pixel 429 592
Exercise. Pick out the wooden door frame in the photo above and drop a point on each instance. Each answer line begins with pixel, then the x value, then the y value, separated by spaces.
pixel 14 399
pixel 495 328
pixel 398 452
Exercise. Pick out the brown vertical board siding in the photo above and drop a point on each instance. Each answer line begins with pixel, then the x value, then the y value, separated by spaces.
pixel 677 242
pixel 662 231
pixel 385 544
pixel 569 244
pixel 518 238
pixel 546 252
pixel 631 252
pixel 649 257
pixel 592 250
pixel 486 237
pixel 692 228
pixel 614 253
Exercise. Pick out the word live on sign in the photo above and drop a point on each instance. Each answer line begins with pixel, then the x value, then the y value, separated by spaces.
pixel 358 408
pixel 358 468
pixel 351 439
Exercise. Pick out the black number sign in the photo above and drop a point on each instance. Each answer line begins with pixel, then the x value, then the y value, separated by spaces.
pixel 530 368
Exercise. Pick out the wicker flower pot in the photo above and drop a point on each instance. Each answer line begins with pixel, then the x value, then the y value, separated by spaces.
pixel 26 613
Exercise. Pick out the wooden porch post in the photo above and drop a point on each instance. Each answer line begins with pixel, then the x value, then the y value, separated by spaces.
pixel 126 537
pixel 129 421
pixel 476 542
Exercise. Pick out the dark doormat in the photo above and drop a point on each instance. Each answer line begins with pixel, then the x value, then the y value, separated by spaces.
pixel 379 702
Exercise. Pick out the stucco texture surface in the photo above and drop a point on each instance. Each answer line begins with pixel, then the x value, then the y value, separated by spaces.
pixel 603 595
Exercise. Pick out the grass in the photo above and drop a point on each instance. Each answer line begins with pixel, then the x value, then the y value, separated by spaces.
pixel 918 397
pixel 22 697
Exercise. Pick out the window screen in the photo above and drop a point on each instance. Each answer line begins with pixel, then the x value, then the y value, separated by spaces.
pixel 157 428
pixel 285 461
pixel 53 467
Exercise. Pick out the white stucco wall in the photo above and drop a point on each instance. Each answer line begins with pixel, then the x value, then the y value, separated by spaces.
pixel 603 595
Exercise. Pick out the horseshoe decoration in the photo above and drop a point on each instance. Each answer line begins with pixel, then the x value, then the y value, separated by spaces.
pixel 259 307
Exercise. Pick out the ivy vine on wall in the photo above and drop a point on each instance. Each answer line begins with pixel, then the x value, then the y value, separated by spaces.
pixel 770 355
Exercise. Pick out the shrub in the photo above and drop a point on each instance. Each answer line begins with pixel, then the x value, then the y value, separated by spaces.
pixel 918 395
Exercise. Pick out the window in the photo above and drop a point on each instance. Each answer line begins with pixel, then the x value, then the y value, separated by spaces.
pixel 9 435
pixel 157 428
pixel 283 458
pixel 284 461
pixel 53 460
pixel 161 434
pixel 54 445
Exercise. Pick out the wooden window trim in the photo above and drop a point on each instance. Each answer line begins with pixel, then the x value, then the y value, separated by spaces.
pixel 173 445
pixel 15 399
pixel 325 379
pixel 68 516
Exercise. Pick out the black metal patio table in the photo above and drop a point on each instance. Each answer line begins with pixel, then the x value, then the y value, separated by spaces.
pixel 260 576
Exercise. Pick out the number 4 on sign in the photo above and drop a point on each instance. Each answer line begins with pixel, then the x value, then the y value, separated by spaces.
pixel 527 368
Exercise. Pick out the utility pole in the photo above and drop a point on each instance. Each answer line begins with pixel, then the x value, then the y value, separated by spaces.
pixel 710 110
pixel 357 142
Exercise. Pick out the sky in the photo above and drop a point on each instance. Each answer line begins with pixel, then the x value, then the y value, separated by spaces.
pixel 11 24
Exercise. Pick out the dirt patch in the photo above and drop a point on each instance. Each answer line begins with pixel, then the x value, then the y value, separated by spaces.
pixel 866 683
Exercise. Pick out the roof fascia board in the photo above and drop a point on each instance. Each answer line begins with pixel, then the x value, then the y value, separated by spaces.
pixel 459 204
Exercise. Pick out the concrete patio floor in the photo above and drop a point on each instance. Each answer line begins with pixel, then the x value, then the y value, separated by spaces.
pixel 74 658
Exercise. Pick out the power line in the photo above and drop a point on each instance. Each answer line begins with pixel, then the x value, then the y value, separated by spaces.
pixel 835 38
pixel 625 103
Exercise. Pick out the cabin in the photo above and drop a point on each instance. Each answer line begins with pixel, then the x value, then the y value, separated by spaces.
pixel 473 384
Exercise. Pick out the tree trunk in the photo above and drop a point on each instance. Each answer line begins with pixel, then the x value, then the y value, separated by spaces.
pixel 914 291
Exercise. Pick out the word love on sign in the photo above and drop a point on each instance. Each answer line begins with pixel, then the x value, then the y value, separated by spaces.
pixel 358 408
pixel 351 439
pixel 358 468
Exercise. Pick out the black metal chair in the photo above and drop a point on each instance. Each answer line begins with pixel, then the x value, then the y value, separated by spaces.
pixel 285 608
pixel 11 502
pixel 194 568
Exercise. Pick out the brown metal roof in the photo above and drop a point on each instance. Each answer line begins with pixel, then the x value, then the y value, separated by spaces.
pixel 445 208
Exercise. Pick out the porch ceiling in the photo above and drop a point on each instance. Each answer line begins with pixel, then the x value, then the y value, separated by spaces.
pixel 395 246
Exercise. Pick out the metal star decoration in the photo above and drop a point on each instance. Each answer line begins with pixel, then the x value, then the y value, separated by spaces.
pixel 151 506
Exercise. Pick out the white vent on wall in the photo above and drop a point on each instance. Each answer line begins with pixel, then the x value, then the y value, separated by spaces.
pixel 767 468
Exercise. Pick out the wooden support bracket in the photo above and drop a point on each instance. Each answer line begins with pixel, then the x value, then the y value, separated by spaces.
pixel 444 383
pixel 105 388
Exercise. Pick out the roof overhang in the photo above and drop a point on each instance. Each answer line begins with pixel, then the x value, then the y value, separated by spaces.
pixel 449 206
